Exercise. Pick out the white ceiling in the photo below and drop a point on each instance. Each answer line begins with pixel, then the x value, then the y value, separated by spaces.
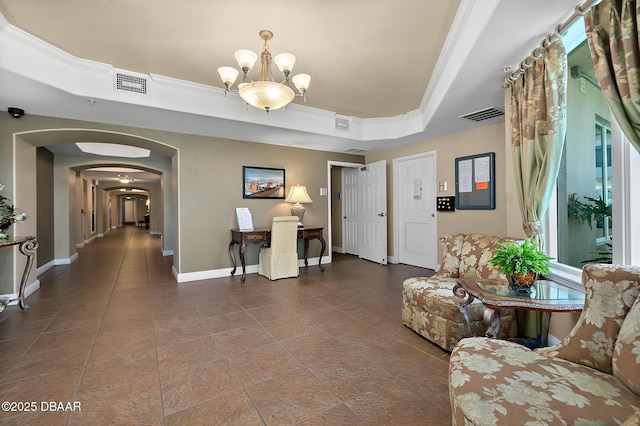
pixel 397 71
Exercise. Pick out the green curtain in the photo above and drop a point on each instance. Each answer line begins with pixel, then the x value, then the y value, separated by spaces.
pixel 538 128
pixel 612 32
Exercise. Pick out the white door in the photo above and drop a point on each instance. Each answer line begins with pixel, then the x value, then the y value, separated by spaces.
pixel 416 201
pixel 350 212
pixel 372 192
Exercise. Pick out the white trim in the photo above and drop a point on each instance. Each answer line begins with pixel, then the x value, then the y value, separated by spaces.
pixel 226 272
pixel 167 252
pixel 28 290
pixel 44 268
pixel 66 261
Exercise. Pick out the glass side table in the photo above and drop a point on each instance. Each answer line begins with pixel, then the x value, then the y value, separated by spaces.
pixel 545 296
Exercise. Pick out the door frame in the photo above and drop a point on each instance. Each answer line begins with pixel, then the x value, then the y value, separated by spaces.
pixel 330 164
pixel 396 200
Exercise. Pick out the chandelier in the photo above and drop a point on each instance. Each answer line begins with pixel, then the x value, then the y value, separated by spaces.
pixel 265 93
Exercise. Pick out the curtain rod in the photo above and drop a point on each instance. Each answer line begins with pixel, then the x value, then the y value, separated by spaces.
pixel 536 53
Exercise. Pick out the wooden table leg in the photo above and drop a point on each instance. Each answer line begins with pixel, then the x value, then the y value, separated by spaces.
pixel 243 246
pixel 324 245
pixel 232 253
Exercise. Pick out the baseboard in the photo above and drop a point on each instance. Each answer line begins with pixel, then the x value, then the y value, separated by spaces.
pixel 167 252
pixel 44 268
pixel 553 340
pixel 226 272
pixel 28 290
pixel 338 250
pixel 67 261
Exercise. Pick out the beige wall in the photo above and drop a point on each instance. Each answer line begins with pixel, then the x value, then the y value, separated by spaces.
pixel 206 181
pixel 447 149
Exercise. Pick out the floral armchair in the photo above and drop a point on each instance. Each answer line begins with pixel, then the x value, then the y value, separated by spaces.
pixel 429 306
pixel 592 377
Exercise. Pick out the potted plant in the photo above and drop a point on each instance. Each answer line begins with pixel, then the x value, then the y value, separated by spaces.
pixel 521 262
pixel 8 215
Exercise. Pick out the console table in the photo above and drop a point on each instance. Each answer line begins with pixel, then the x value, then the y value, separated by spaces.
pixel 26 245
pixel 545 296
pixel 261 235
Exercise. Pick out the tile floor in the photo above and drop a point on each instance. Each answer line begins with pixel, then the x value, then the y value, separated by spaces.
pixel 114 334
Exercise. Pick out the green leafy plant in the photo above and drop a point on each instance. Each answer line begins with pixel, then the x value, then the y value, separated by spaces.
pixel 8 215
pixel 521 257
pixel 592 209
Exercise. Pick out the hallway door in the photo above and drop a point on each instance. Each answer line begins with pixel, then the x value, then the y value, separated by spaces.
pixel 350 213
pixel 372 191
pixel 415 193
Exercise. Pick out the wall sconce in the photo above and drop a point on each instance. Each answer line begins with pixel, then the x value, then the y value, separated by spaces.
pixel 299 196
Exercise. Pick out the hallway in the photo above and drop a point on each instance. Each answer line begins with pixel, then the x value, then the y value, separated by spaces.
pixel 114 335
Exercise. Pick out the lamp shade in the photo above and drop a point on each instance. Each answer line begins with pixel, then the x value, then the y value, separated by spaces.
pixel 285 62
pixel 301 82
pixel 298 194
pixel 246 59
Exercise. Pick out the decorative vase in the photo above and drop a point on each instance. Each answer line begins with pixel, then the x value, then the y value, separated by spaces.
pixel 522 282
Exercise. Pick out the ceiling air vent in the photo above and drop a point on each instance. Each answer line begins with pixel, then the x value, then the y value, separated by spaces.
pixel 131 83
pixel 483 114
pixel 342 123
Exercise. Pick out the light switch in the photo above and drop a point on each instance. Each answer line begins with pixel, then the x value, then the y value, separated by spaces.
pixel 442 186
pixel 323 192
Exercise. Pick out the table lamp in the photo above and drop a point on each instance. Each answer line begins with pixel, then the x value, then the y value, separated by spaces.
pixel 299 196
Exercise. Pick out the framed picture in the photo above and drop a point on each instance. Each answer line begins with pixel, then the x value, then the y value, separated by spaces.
pixel 262 182
pixel 475 182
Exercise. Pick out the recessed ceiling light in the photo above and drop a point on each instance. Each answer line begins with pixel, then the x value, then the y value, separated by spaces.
pixel 113 149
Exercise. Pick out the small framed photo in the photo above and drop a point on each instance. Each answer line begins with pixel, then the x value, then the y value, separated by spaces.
pixel 262 182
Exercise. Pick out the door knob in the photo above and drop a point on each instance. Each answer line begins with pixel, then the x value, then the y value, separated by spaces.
pixel 381 214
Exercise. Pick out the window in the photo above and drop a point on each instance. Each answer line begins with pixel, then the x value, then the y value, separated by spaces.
pixel 590 218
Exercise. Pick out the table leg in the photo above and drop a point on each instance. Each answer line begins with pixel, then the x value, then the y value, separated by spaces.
pixel 243 246
pixel 306 251
pixel 26 248
pixel 465 300
pixel 492 319
pixel 232 253
pixel 544 331
pixel 324 245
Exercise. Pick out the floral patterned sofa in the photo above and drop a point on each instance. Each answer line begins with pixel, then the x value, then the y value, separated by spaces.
pixel 591 378
pixel 428 305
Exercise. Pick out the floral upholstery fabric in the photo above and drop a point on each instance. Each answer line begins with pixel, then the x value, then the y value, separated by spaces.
pixel 609 293
pixel 429 306
pixel 499 382
pixel 627 350
pixel 430 309
pixel 450 265
pixel 494 382
pixel 477 251
pixel 280 259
